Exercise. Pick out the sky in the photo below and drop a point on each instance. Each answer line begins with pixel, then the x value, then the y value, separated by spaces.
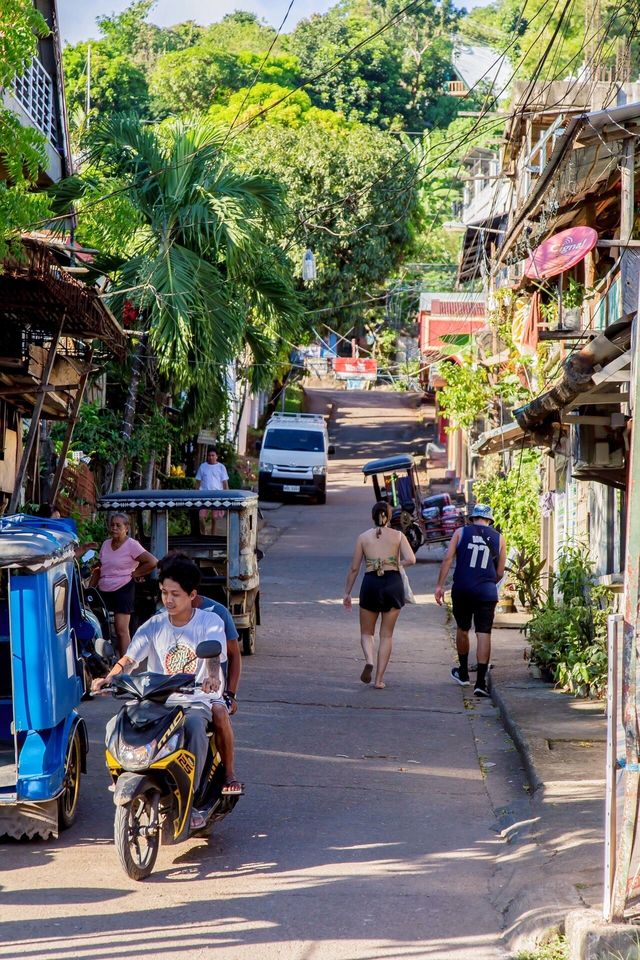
pixel 78 17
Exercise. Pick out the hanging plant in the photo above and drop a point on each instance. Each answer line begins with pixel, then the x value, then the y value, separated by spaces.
pixel 467 394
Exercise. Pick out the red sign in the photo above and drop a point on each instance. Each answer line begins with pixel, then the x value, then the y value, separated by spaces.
pixel 355 367
pixel 560 253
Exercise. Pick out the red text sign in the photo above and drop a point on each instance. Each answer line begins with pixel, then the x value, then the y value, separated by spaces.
pixel 355 367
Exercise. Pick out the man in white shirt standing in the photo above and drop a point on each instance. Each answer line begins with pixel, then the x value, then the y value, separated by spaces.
pixel 211 475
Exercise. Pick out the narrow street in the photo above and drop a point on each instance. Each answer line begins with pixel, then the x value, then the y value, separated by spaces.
pixel 370 828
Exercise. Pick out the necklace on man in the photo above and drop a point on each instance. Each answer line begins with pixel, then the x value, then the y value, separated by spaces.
pixel 177 637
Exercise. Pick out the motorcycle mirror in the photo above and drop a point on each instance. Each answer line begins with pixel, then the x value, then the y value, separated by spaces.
pixel 89 555
pixel 208 649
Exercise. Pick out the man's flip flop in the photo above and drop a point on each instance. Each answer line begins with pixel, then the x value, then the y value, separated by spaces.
pixel 365 676
pixel 233 789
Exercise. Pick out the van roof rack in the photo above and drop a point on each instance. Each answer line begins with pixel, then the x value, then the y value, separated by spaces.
pixel 283 415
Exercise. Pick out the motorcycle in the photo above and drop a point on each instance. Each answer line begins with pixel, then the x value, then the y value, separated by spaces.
pixel 152 771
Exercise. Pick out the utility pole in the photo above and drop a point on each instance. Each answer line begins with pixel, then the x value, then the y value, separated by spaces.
pixel 631 779
pixel 87 100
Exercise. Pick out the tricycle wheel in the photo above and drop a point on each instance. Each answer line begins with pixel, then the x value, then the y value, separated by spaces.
pixel 414 536
pixel 248 636
pixel 68 799
pixel 136 832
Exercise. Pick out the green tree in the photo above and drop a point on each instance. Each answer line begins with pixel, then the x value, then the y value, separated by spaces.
pixel 366 85
pixel 117 84
pixel 574 35
pixel 199 267
pixel 394 80
pixel 22 153
pixel 351 197
pixel 241 32
pixel 194 78
pixel 296 108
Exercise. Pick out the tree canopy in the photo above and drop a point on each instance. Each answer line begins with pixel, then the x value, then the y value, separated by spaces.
pixel 350 195
pixel 395 80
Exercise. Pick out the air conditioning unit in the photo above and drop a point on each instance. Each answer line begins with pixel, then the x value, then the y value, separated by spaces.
pixel 595 450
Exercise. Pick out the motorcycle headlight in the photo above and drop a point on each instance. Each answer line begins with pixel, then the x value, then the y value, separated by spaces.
pixel 266 468
pixel 172 744
pixel 318 471
pixel 135 758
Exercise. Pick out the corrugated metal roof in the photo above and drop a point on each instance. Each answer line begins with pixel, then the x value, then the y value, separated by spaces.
pixel 456 308
pixel 428 296
pixel 482 66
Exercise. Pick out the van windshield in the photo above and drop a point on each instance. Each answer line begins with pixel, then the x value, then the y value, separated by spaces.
pixel 303 440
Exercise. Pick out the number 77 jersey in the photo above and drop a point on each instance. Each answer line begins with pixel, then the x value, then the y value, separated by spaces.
pixel 477 555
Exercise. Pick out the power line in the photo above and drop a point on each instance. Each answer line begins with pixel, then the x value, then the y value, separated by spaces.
pixel 125 188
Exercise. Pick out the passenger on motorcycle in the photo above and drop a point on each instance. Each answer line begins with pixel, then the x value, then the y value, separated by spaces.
pixel 232 669
pixel 169 641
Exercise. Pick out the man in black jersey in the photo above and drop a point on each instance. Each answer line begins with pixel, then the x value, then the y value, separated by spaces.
pixel 480 553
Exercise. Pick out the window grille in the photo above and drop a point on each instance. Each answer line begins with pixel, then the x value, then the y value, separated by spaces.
pixel 35 91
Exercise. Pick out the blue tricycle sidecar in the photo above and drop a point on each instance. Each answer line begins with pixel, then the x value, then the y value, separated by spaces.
pixel 43 740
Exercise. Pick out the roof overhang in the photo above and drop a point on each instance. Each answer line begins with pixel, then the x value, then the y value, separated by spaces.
pixel 230 500
pixel 37 292
pixel 597 376
pixel 584 162
pixel 476 246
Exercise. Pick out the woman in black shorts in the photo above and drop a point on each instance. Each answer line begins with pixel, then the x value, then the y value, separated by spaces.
pixel 122 560
pixel 383 551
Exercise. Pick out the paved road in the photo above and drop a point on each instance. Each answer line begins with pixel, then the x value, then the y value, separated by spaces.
pixel 369 826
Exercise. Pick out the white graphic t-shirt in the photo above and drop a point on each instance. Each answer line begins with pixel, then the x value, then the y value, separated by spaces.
pixel 212 476
pixel 170 650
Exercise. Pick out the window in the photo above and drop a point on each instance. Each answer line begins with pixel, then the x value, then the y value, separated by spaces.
pixel 60 592
pixel 307 441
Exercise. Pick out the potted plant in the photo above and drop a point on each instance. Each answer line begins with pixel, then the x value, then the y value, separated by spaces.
pixel 573 297
pixel 525 570
pixel 549 313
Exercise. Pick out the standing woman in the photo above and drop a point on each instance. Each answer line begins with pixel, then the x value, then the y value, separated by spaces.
pixel 384 551
pixel 122 560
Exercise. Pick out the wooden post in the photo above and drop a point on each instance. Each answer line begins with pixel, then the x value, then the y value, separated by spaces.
pixel 614 623
pixel 631 598
pixel 35 419
pixel 73 419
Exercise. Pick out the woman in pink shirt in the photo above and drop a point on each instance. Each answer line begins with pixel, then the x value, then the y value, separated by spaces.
pixel 122 559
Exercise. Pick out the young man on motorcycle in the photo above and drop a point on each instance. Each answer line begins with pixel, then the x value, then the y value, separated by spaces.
pixel 232 668
pixel 169 641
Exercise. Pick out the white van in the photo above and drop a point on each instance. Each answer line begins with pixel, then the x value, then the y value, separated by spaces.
pixel 294 456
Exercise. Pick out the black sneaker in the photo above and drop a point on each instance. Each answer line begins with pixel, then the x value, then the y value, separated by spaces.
pixel 480 691
pixel 459 678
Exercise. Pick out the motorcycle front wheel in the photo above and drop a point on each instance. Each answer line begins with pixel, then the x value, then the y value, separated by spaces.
pixel 136 833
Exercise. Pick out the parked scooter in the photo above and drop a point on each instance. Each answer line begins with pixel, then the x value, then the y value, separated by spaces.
pixel 152 771
pixel 97 645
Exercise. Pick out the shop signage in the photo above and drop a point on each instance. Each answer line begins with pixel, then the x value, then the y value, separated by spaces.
pixel 346 368
pixel 560 253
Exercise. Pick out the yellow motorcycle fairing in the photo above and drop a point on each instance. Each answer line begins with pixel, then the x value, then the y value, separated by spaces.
pixel 179 768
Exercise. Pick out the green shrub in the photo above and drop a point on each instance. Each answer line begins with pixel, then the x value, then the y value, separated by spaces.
pixel 515 501
pixel 568 634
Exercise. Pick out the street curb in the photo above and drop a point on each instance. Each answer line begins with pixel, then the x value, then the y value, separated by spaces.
pixel 521 743
pixel 518 736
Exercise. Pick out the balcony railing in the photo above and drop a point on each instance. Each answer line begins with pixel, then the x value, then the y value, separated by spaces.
pixel 35 92
pixel 456 88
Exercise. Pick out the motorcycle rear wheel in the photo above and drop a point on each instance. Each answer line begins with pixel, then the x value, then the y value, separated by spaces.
pixel 137 851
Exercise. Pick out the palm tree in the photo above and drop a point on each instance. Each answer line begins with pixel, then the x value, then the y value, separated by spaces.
pixel 200 266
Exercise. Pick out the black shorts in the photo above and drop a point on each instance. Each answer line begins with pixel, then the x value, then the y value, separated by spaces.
pixel 381 594
pixel 122 600
pixel 468 607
